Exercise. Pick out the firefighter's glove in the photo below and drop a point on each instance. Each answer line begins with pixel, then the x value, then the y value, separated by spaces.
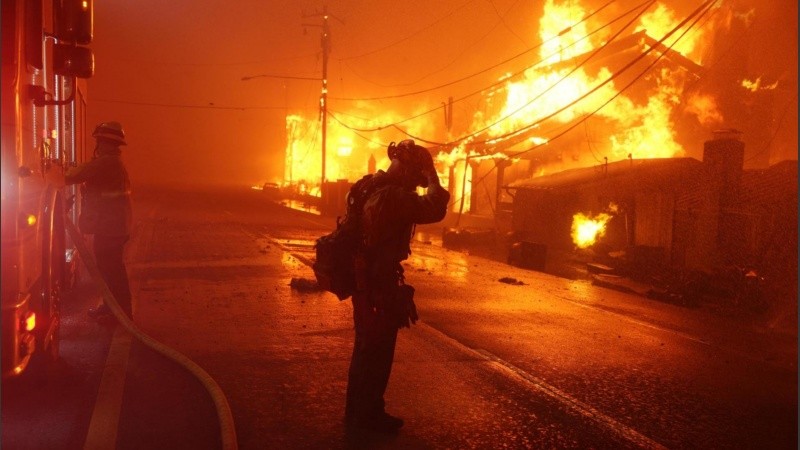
pixel 425 163
pixel 406 310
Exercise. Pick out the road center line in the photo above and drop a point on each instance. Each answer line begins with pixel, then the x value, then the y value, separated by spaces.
pixel 103 426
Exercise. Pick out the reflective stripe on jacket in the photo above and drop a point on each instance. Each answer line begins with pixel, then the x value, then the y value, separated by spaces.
pixel 108 193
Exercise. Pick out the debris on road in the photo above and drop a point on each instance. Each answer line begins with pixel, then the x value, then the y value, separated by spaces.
pixel 304 284
pixel 457 238
pixel 509 280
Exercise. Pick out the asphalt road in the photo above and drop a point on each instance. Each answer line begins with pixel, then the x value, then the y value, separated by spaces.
pixel 550 363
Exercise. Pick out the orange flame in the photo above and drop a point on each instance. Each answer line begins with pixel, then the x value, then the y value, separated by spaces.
pixel 586 230
pixel 705 107
pixel 660 21
pixel 754 86
pixel 632 125
pixel 641 130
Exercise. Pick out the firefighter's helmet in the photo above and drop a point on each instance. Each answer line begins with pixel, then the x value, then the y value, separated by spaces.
pixel 112 131
pixel 409 153
pixel 416 158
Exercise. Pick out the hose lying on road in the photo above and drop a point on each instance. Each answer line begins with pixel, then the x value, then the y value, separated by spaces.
pixel 227 428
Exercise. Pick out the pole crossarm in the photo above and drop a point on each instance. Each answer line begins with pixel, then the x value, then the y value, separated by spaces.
pixel 288 77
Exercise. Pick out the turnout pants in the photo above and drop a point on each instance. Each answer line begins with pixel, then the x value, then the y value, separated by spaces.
pixel 109 251
pixel 371 363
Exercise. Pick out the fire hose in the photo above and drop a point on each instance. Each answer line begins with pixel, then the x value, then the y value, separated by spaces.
pixel 224 415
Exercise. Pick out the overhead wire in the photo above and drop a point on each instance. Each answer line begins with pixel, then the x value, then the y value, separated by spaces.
pixel 494 66
pixel 505 24
pixel 708 3
pixel 479 39
pixel 455 58
pixel 735 43
pixel 433 72
pixel 702 10
pixel 381 144
pixel 561 79
pixel 405 38
pixel 608 80
pixel 498 83
pixel 200 64
pixel 186 106
pixel 615 75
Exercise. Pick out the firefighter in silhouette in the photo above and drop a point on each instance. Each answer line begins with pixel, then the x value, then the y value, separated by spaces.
pixel 382 302
pixel 106 212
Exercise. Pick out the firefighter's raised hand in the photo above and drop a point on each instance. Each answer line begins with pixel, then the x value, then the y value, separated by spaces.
pixel 432 177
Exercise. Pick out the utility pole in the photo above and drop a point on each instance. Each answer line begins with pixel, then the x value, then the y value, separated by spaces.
pixel 323 99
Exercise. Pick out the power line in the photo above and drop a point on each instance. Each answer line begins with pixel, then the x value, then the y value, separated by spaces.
pixel 567 75
pixel 166 105
pixel 476 41
pixel 643 7
pixel 498 83
pixel 707 5
pixel 371 52
pixel 221 64
pixel 450 63
pixel 519 55
pixel 503 19
pixel 703 9
pixel 381 144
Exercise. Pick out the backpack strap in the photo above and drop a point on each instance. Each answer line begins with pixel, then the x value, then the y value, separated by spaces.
pixel 358 195
pixel 361 191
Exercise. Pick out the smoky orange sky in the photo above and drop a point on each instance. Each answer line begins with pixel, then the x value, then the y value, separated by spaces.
pixel 172 72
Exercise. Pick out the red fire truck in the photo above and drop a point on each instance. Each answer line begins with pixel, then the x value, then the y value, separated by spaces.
pixel 45 62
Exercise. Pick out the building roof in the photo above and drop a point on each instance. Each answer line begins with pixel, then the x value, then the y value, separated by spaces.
pixel 657 172
pixel 761 189
pixel 769 187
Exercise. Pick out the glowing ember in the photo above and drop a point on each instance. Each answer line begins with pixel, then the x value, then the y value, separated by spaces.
pixel 586 230
pixel 754 86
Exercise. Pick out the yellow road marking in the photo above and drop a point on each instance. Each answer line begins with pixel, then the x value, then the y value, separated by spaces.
pixel 105 417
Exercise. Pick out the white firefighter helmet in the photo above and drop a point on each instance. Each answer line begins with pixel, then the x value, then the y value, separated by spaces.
pixel 112 131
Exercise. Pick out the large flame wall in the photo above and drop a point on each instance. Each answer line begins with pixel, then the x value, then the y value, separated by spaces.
pixel 664 107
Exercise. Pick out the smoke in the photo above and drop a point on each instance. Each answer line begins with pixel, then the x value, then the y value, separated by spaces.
pixel 751 76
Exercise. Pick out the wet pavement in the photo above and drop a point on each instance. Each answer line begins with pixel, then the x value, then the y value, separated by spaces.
pixel 547 363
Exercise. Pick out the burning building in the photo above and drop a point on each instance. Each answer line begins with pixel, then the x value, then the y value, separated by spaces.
pixel 594 142
pixel 610 83
pixel 670 215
